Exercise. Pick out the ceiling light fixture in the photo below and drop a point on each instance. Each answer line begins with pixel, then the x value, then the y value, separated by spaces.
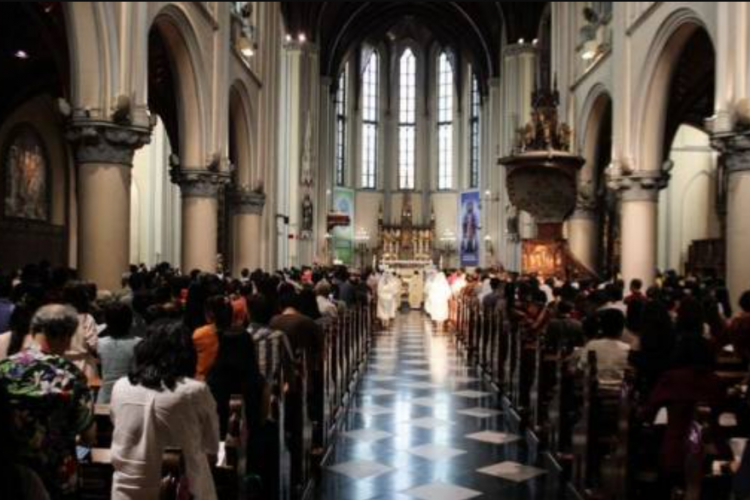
pixel 521 41
pixel 302 38
pixel 21 54
pixel 288 38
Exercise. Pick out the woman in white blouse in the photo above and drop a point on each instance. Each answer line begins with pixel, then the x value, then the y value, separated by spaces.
pixel 160 406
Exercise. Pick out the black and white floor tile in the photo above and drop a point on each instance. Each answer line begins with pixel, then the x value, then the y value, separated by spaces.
pixel 425 426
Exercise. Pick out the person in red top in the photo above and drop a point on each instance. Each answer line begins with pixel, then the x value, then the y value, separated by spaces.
pixel 681 389
pixel 636 292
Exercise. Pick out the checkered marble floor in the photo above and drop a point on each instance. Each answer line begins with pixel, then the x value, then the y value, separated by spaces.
pixel 425 426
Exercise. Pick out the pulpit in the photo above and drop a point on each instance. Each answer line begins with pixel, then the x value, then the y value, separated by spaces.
pixel 542 180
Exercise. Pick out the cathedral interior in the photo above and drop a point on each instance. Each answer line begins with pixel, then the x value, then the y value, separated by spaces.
pixel 464 192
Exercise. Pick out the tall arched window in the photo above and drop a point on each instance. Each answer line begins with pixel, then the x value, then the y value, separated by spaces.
pixel 370 110
pixel 474 134
pixel 445 122
pixel 407 120
pixel 341 128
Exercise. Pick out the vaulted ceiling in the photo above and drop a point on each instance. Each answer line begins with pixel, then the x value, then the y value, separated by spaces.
pixel 33 52
pixel 476 28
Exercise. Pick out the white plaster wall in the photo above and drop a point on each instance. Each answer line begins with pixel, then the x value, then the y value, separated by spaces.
pixel 687 207
pixel 155 210
pixel 366 209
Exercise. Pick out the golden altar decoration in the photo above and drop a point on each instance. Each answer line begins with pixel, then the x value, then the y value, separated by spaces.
pixel 406 242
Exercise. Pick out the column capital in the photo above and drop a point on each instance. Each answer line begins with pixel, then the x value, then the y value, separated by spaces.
pixel 106 142
pixel 735 150
pixel 248 201
pixel 515 49
pixel 640 185
pixel 199 183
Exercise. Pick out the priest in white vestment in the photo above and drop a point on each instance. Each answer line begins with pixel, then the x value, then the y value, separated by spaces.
pixel 439 299
pixel 427 287
pixel 389 298
pixel 416 290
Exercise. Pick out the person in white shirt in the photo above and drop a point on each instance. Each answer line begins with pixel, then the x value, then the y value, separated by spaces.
pixel 160 406
pixel 611 352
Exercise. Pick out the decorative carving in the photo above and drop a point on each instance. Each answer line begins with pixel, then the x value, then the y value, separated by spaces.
pixel 641 185
pixel 199 183
pixel 307 154
pixel 307 218
pixel 544 130
pixel 586 201
pixel 248 201
pixel 735 150
pixel 104 142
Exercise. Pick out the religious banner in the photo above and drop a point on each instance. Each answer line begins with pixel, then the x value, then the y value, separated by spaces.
pixel 343 236
pixel 469 229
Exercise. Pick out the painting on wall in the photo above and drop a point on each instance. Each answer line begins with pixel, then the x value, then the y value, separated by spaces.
pixel 26 193
pixel 469 231
pixel 343 236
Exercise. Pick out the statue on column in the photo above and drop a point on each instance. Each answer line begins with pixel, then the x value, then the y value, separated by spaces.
pixel 307 218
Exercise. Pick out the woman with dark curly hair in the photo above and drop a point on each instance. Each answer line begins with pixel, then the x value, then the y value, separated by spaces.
pixel 157 406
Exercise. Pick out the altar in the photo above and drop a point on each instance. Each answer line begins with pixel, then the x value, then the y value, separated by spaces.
pixel 406 242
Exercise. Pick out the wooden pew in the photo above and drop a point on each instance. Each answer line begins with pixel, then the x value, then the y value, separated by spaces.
pixel 594 433
pixel 542 391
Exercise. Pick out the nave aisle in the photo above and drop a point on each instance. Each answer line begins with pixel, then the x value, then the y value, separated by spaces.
pixel 424 426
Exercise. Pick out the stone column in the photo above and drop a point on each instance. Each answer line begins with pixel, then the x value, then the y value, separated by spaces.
pixel 583 231
pixel 200 191
pixel 519 70
pixel 104 159
pixel 247 209
pixel 639 208
pixel 735 148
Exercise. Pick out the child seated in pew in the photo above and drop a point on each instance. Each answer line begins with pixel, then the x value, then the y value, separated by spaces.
pixel 611 352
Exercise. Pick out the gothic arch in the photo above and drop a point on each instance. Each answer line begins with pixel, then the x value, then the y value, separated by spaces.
pixel 94 55
pixel 649 121
pixel 181 40
pixel 593 113
pixel 242 130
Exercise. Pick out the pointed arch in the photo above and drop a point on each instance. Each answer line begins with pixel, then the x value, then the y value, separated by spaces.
pixel 186 61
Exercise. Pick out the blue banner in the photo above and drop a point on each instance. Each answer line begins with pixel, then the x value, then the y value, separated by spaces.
pixel 469 229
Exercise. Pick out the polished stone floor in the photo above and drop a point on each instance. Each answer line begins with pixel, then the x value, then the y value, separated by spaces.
pixel 424 426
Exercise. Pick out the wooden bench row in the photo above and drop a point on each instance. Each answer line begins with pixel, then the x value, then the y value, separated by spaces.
pixel 304 416
pixel 591 434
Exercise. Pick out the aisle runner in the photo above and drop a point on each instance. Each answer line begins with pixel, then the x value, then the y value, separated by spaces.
pixel 423 426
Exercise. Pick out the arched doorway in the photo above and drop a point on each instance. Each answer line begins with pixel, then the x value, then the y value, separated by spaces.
pixel 35 158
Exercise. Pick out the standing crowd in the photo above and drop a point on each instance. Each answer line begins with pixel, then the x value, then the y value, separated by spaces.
pixel 165 354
